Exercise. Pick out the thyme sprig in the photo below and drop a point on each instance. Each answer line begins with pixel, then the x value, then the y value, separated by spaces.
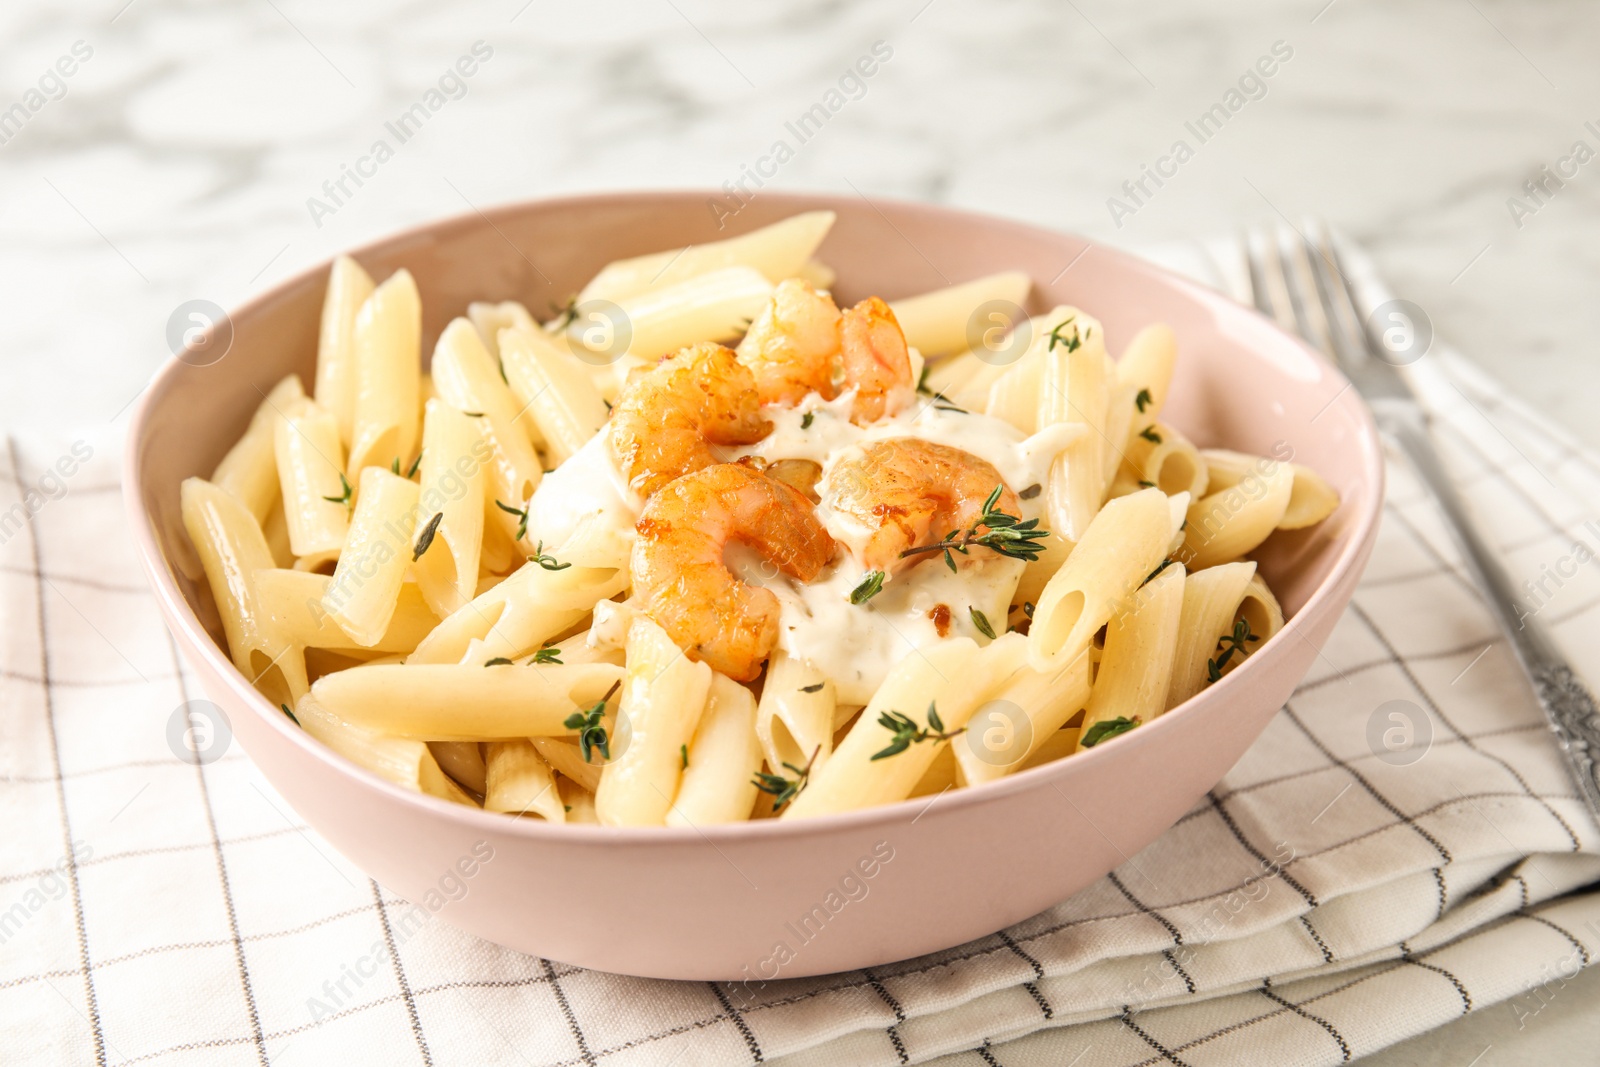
pixel 520 513
pixel 425 538
pixel 544 656
pixel 1230 643
pixel 785 789
pixel 981 621
pixel 870 586
pixel 1006 534
pixel 545 559
pixel 345 497
pixel 907 732
pixel 1072 343
pixel 587 721
pixel 1106 728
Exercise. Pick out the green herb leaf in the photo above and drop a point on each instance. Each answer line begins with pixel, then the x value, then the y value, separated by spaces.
pixel 1230 643
pixel 395 466
pixel 545 655
pixel 1144 400
pixel 344 497
pixel 1072 343
pixel 498 661
pixel 1004 533
pixel 587 721
pixel 981 621
pixel 1149 434
pixel 1032 491
pixel 473 414
pixel 545 559
pixel 520 513
pixel 289 713
pixel 425 539
pixel 416 465
pixel 1147 484
pixel 870 586
pixel 565 314
pixel 806 420
pixel 784 789
pixel 813 688
pixel 1106 728
pixel 907 733
pixel 1163 565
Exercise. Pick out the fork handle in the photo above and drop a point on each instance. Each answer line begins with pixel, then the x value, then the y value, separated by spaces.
pixel 1568 706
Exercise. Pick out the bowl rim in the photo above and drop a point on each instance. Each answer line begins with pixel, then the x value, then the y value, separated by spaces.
pixel 178 613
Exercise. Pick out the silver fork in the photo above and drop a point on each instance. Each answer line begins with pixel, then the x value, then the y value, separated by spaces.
pixel 1298 279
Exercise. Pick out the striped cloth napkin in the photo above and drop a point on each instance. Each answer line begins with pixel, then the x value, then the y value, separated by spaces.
pixel 1401 847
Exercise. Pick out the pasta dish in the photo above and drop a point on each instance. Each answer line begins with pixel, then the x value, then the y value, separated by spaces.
pixel 708 545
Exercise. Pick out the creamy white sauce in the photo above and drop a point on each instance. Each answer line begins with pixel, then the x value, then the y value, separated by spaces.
pixel 587 501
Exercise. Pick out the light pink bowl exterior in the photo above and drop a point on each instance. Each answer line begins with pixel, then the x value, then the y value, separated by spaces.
pixel 713 904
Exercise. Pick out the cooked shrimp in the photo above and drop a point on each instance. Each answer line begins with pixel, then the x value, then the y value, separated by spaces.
pixel 875 360
pixel 801 344
pixel 907 491
pixel 670 417
pixel 681 581
pixel 792 345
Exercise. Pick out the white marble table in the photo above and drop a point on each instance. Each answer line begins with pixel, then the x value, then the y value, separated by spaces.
pixel 179 157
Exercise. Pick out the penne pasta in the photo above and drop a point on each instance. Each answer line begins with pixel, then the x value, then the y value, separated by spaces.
pixel 941 322
pixel 232 550
pixel 778 251
pixel 795 719
pixel 1136 665
pixel 406 763
pixel 1074 387
pixel 566 759
pixel 555 389
pixel 1210 601
pixel 1259 608
pixel 463 762
pixel 520 782
pixel 1310 500
pixel 1019 716
pixel 1162 457
pixel 316 498
pixel 949 680
pixel 468 379
pixel 250 469
pixel 388 355
pixel 449 528
pixel 720 763
pixel 1124 543
pixel 715 306
pixel 1146 367
pixel 465 702
pixel 365 590
pixel 663 698
pixel 578 802
pixel 1226 524
pixel 336 383
pixel 296 602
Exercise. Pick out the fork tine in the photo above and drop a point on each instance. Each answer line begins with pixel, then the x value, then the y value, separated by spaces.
pixel 1267 286
pixel 1300 279
pixel 1336 294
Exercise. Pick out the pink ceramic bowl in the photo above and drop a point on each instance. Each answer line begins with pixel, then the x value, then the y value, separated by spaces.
pixel 872 886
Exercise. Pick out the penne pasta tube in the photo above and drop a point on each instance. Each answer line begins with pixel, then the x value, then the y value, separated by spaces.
pixel 468 380
pixel 1225 525
pixel 1146 366
pixel 1164 458
pixel 408 764
pixel 720 763
pixel 296 603
pixel 465 702
pixel 716 306
pixel 939 323
pixel 941 775
pixel 520 782
pixel 1020 716
pixel 951 678
pixel 794 720
pixel 1310 501
pixel 316 497
pixel 250 469
pixel 489 320
pixel 1074 387
pixel 1121 409
pixel 388 354
pixel 348 288
pixel 532 606
pixel 1136 664
pixel 663 698
pixel 1210 601
pixel 578 802
pixel 1125 542
pixel 566 758
pixel 778 251
pixel 449 528
pixel 555 389
pixel 232 550
pixel 365 590
pixel 276 531
pixel 463 762
pixel 1259 608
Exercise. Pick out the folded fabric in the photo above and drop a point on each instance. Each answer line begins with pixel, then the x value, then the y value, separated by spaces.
pixel 1335 893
